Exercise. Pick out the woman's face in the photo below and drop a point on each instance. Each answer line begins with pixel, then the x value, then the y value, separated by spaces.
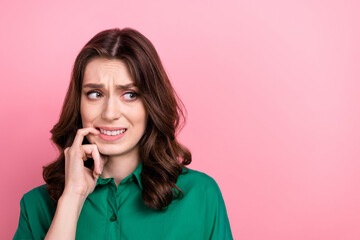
pixel 110 103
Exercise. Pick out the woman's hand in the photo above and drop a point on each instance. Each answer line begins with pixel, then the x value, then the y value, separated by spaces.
pixel 80 180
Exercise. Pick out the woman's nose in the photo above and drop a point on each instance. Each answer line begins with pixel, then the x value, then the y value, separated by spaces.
pixel 111 110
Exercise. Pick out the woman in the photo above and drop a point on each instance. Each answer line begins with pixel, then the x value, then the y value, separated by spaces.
pixel 121 171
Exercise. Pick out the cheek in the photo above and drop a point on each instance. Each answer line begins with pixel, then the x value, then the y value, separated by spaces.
pixel 145 120
pixel 142 117
pixel 82 114
pixel 138 118
pixel 86 115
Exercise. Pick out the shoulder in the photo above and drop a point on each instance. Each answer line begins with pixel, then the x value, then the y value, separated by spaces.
pixel 36 194
pixel 36 214
pixel 193 180
pixel 37 199
pixel 203 196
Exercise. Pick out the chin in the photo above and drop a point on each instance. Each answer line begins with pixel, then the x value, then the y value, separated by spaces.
pixel 109 151
pixel 113 150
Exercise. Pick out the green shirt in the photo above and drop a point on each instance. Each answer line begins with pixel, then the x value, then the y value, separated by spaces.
pixel 112 212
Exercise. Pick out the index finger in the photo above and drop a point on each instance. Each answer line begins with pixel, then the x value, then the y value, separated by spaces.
pixel 81 133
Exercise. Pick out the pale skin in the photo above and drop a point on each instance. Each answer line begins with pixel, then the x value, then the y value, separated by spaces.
pixel 108 99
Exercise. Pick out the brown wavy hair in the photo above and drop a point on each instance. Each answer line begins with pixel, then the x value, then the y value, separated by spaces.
pixel 162 156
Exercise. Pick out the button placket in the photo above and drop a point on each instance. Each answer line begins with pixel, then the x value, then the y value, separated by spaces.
pixel 120 191
pixel 112 202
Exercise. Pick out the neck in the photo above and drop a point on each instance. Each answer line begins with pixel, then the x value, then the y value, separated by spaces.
pixel 121 166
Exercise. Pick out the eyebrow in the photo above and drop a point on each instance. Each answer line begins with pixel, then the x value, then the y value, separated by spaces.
pixel 95 85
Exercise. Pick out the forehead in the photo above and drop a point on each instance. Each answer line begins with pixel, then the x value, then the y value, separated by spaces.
pixel 102 70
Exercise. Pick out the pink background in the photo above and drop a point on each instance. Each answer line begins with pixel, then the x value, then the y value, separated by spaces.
pixel 271 87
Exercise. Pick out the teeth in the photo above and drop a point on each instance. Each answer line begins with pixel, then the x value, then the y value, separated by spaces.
pixel 112 133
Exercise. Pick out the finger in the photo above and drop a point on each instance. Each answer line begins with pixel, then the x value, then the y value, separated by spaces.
pixel 90 172
pixel 81 133
pixel 98 161
pixel 66 150
pixel 85 155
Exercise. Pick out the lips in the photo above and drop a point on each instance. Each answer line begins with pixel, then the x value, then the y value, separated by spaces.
pixel 111 133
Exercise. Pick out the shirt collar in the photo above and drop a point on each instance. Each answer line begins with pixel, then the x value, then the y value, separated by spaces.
pixel 136 174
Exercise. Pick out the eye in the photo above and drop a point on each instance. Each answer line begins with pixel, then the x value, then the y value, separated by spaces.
pixel 93 94
pixel 130 95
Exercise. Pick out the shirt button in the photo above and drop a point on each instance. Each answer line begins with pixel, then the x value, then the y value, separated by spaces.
pixel 113 218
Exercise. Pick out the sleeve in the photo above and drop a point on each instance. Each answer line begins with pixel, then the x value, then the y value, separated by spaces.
pixel 217 222
pixel 23 231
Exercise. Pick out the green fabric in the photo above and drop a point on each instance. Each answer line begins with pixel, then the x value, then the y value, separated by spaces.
pixel 112 212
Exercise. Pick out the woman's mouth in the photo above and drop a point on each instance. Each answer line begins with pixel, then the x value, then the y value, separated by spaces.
pixel 111 134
